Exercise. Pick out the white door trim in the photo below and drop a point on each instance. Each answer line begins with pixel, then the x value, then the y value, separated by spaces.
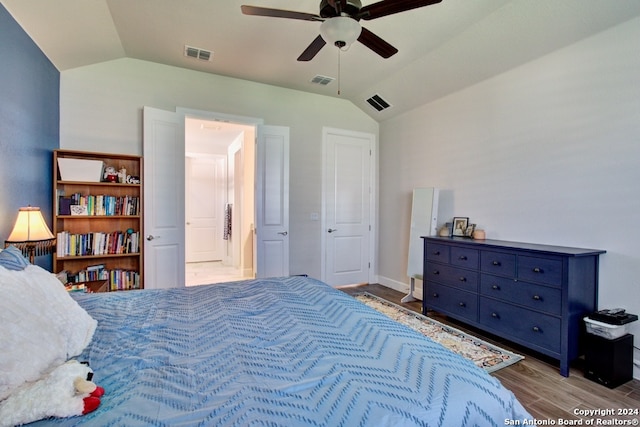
pixel 220 117
pixel 233 258
pixel 373 206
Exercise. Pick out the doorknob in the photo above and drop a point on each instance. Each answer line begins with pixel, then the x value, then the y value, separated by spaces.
pixel 150 237
pixel 284 233
pixel 331 230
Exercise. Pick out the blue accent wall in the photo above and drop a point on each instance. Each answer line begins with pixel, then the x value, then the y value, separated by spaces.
pixel 29 126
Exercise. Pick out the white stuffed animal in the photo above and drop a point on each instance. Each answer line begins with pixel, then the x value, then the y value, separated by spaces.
pixel 64 392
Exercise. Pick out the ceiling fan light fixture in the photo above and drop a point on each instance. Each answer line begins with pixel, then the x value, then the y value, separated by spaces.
pixel 340 31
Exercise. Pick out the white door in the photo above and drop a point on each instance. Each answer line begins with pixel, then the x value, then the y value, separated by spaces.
pixel 205 196
pixel 272 201
pixel 348 243
pixel 164 200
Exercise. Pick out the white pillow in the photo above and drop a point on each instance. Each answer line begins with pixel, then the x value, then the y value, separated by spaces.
pixel 41 326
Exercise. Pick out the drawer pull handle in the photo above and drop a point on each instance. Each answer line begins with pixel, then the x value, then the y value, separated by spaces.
pixel 436 252
pixel 495 287
pixel 536 329
pixel 461 304
pixel 496 263
pixel 462 258
pixel 537 270
pixel 463 279
pixel 495 315
pixel 537 297
pixel 435 295
pixel 436 272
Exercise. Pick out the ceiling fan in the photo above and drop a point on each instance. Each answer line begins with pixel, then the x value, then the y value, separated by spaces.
pixel 340 22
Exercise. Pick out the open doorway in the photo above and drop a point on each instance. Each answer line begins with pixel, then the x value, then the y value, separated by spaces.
pixel 219 201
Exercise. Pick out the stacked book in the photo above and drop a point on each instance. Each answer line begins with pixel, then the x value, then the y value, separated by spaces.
pixel 118 279
pixel 121 280
pixel 96 205
pixel 97 243
pixel 89 274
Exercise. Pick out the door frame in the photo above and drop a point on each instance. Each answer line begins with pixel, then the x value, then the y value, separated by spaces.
pixel 232 252
pixel 235 119
pixel 373 199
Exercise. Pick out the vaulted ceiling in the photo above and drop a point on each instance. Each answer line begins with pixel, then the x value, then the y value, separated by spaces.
pixel 442 48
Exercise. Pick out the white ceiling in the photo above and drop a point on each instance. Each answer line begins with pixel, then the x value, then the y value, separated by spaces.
pixel 442 48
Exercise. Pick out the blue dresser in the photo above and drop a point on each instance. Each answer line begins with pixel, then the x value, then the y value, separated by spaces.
pixel 534 295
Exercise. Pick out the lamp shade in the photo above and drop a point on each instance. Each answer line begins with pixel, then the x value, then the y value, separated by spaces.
pixel 30 226
pixel 340 31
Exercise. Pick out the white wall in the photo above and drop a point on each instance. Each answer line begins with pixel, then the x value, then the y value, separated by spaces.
pixel 101 110
pixel 548 152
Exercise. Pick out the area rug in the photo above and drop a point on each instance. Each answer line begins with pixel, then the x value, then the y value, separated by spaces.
pixel 484 355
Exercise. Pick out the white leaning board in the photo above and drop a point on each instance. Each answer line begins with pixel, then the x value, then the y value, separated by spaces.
pixel 424 222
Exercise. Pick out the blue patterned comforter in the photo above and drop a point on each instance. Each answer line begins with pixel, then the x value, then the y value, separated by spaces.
pixel 282 352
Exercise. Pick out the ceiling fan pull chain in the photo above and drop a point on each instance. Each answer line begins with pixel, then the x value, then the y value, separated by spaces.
pixel 339 71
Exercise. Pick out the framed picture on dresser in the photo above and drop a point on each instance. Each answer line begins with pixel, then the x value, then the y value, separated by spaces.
pixel 469 231
pixel 460 225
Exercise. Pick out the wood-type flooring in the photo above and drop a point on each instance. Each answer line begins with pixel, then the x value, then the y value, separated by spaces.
pixel 536 381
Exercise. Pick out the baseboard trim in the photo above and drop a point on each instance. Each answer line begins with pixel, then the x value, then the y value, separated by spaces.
pixel 402 287
pixel 393 284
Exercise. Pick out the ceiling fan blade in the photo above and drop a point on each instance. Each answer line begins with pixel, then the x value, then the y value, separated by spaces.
pixel 312 49
pixel 278 13
pixel 389 7
pixel 376 44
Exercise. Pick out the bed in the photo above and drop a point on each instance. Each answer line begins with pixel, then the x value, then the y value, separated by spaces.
pixel 282 352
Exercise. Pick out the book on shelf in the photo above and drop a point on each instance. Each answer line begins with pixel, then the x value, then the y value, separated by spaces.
pixel 97 243
pixel 122 280
pixel 117 279
pixel 99 205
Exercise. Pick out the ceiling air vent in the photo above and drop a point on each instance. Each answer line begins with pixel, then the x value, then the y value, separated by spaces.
pixel 378 103
pixel 197 53
pixel 322 80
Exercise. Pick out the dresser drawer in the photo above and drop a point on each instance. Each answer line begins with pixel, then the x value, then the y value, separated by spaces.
pixel 449 275
pixel 464 257
pixel 532 328
pixel 538 297
pixel 437 252
pixel 541 270
pixel 452 301
pixel 498 263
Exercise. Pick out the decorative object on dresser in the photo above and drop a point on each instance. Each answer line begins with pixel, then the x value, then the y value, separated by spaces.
pixel 468 232
pixel 534 295
pixel 479 234
pixel 31 234
pixel 446 230
pixel 98 221
pixel 460 226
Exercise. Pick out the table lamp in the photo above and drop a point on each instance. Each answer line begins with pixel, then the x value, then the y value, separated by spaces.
pixel 30 234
